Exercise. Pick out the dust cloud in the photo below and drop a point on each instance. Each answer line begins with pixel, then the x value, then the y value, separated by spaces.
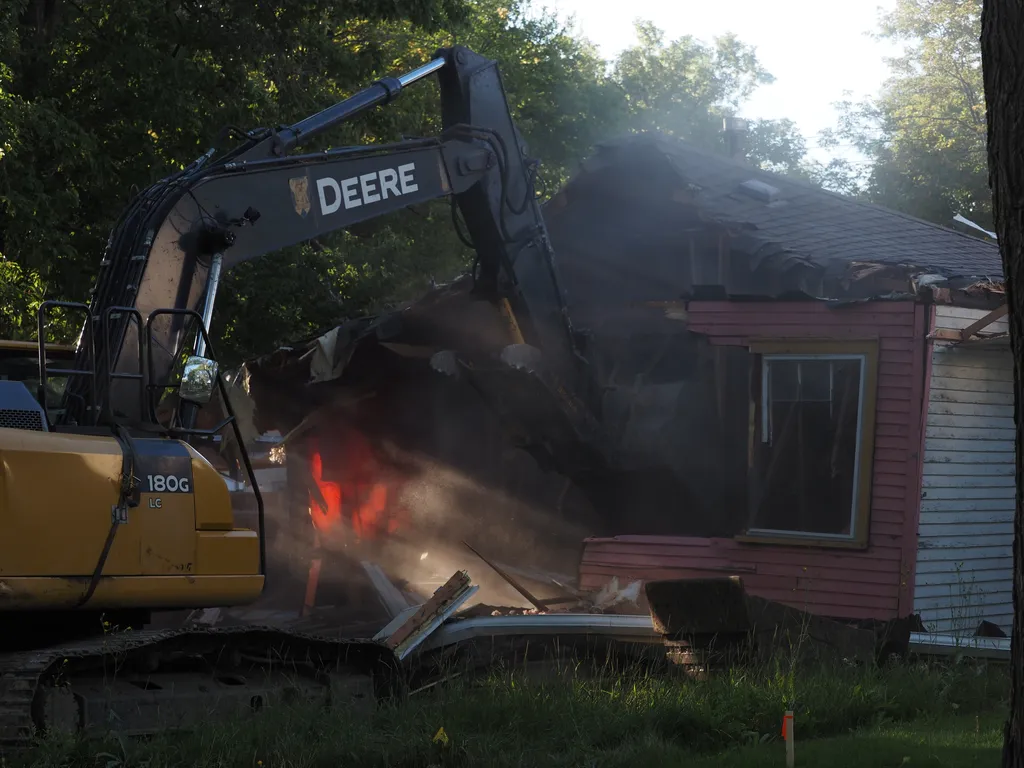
pixel 448 507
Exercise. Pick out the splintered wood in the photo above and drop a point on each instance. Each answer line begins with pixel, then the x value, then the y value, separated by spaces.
pixel 401 640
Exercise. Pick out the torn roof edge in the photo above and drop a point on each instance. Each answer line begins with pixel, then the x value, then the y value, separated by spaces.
pixel 603 158
pixel 925 285
pixel 654 138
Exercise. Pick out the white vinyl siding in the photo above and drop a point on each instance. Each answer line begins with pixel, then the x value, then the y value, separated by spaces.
pixel 964 558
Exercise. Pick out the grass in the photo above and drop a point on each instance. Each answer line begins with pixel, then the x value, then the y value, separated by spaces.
pixel 951 742
pixel 911 715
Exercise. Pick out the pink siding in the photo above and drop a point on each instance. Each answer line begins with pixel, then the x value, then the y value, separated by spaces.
pixel 872 583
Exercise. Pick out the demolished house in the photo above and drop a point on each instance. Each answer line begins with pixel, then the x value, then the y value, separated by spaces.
pixel 809 391
pixel 850 450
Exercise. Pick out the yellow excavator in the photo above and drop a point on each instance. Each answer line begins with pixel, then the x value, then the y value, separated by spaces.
pixel 109 510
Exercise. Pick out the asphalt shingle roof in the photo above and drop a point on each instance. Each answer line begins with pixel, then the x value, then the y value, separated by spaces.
pixel 804 221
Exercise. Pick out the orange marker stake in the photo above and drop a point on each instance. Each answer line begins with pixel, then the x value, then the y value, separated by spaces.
pixel 789 737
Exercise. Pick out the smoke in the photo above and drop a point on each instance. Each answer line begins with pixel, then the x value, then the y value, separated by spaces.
pixel 448 507
pixel 445 456
pixel 443 506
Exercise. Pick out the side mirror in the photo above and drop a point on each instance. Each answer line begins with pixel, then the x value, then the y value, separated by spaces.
pixel 198 380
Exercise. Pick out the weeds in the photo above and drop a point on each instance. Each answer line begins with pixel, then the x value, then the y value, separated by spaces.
pixel 509 720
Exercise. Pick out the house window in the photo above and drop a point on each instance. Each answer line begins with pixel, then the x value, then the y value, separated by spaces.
pixel 813 441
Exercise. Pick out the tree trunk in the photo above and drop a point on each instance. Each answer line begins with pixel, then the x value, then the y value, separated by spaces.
pixel 1002 53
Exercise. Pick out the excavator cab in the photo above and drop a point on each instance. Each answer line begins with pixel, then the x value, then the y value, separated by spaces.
pixel 119 513
pixel 19 362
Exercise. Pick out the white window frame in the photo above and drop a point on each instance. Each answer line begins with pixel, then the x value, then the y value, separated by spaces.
pixel 766 360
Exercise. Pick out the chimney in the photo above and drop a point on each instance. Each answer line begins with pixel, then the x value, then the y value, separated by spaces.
pixel 735 130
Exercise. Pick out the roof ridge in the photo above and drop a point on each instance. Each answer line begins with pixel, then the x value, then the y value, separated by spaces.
pixel 658 136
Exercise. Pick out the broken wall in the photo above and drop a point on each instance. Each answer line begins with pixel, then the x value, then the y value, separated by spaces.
pixel 838 579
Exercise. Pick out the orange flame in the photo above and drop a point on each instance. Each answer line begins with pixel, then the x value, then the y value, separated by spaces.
pixel 324 519
pixel 363 498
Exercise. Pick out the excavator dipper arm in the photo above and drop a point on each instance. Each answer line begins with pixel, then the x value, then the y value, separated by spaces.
pixel 242 210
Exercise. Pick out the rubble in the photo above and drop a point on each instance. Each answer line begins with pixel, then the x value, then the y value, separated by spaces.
pixel 205 617
pixel 697 623
pixel 428 617
pixel 807 636
pixel 612 596
pixel 541 605
pixel 713 621
pixel 700 625
pixel 625 629
pixel 393 600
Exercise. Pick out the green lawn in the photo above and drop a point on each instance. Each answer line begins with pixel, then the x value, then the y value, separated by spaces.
pixel 921 715
pixel 954 742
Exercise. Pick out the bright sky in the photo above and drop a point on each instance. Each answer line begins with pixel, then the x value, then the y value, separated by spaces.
pixel 816 49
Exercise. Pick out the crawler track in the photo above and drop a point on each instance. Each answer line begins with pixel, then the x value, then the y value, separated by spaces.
pixel 143 682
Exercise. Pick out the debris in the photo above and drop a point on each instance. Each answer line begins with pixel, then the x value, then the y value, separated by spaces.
pixel 988 629
pixel 445 362
pixel 967 222
pixel 698 606
pixel 709 620
pixel 393 600
pixel 341 402
pixel 611 595
pixel 206 617
pixel 481 609
pixel 512 582
pixel 994 648
pixel 312 584
pixel 389 629
pixel 807 635
pixel 561 581
pixel 540 604
pixel 627 629
pixel 432 614
pixel 447 678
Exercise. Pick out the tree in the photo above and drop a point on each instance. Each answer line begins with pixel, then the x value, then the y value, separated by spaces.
pixel 102 98
pixel 686 87
pixel 133 90
pixel 97 99
pixel 1003 66
pixel 562 101
pixel 925 134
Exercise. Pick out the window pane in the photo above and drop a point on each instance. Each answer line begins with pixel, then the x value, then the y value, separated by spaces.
pixel 816 380
pixel 804 473
pixel 802 380
pixel 784 378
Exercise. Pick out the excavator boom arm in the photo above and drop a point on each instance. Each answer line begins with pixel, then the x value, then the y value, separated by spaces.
pixel 244 210
pixel 218 213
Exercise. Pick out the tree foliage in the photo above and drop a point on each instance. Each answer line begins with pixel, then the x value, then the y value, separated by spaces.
pixel 100 99
pixel 925 134
pixel 686 87
pixel 106 97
